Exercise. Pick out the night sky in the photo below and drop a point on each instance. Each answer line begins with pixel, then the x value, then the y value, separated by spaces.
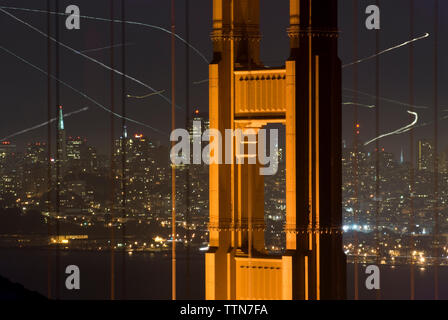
pixel 23 89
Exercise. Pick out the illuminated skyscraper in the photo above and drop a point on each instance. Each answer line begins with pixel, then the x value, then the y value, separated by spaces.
pixel 205 123
pixel 199 123
pixel 62 140
pixel 35 168
pixel 424 155
pixel 198 172
pixel 10 181
pixel 75 147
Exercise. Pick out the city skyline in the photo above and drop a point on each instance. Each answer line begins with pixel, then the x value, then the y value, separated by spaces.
pixel 274 37
pixel 362 177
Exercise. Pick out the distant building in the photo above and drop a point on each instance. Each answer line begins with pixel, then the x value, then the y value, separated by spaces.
pixel 141 172
pixel 35 168
pixel 205 123
pixel 443 162
pixel 10 181
pixel 90 161
pixel 75 147
pixel 424 155
pixel 198 124
pixel 7 154
pixel 36 153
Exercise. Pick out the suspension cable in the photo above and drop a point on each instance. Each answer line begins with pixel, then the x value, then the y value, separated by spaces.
pixel 377 153
pixel 49 144
pixel 59 148
pixel 187 121
pixel 123 145
pixel 173 127
pixel 112 162
pixel 355 147
pixel 436 152
pixel 411 141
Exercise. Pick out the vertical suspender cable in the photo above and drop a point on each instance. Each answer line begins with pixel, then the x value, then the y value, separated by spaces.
pixel 49 178
pixel 187 121
pixel 233 168
pixel 436 152
pixel 311 209
pixel 112 162
pixel 58 149
pixel 123 144
pixel 377 153
pixel 411 141
pixel 173 127
pixel 355 146
pixel 250 178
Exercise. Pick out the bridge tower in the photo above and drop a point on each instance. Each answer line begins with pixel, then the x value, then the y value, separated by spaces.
pixel 305 96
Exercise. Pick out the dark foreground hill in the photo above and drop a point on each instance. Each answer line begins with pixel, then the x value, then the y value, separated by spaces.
pixel 15 291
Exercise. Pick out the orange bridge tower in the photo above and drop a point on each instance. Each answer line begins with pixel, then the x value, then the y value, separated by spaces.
pixel 305 96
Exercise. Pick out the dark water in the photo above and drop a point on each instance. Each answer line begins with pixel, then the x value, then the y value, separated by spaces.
pixel 148 276
pixel 395 283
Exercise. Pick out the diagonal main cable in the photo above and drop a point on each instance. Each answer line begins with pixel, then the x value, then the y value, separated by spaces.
pixel 85 56
pixel 79 92
pixel 199 53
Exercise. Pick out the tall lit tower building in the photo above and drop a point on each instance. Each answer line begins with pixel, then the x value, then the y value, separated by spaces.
pixel 199 123
pixel 62 139
pixel 424 155
pixel 205 123
pixel 9 182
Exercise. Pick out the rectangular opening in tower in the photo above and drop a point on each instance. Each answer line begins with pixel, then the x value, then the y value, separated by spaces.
pixel 275 197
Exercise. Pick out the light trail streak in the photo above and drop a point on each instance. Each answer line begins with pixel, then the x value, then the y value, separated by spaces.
pixel 200 81
pixel 363 59
pixel 81 93
pixel 43 124
pixel 426 35
pixel 430 123
pixel 398 131
pixel 116 21
pixel 359 104
pixel 108 47
pixel 86 56
pixel 400 103
pixel 145 96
